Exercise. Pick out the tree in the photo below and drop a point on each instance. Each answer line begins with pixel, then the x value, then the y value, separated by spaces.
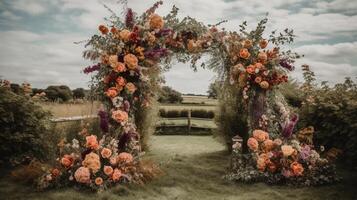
pixel 62 93
pixel 169 95
pixel 79 93
pixel 213 90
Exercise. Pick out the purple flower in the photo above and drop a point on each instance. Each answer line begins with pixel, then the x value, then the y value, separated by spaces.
pixel 126 106
pixel 156 53
pixel 286 63
pixel 129 18
pixel 104 121
pixel 164 32
pixel 305 152
pixel 289 125
pixel 91 69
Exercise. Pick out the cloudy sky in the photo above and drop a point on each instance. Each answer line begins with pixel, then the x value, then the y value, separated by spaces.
pixel 37 36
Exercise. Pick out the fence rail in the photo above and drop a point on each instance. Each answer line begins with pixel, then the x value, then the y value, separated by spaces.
pixel 160 123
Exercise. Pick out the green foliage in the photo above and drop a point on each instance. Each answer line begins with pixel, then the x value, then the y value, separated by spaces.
pixel 333 113
pixel 62 93
pixel 292 93
pixel 212 90
pixel 169 95
pixel 79 93
pixel 24 129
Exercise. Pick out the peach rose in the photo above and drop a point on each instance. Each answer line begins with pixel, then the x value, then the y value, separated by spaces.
pixel 91 142
pixel 130 87
pixel 125 158
pixel 103 29
pixel 119 67
pixel 106 153
pixel 55 172
pixel 111 92
pixel 277 142
pixel 260 135
pixel 113 60
pixel 82 175
pixel 120 116
pixel 113 160
pixel 250 69
pixel 287 150
pixel 67 161
pixel 98 181
pixel 268 145
pixel 297 168
pixel 131 61
pixel 264 84
pixel 262 57
pixel 259 65
pixel 150 38
pixel 120 81
pixel 253 144
pixel 258 79
pixel 263 44
pixel 92 161
pixel 156 21
pixel 116 175
pixel 125 35
pixel 247 43
pixel 244 53
pixel 108 170
pixel 261 164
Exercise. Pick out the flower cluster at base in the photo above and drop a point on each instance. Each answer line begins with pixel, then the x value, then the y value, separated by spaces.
pixel 93 164
pixel 291 161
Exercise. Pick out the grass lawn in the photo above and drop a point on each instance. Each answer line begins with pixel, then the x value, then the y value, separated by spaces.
pixel 193 167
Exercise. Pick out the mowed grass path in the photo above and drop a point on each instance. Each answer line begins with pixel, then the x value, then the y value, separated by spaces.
pixel 193 166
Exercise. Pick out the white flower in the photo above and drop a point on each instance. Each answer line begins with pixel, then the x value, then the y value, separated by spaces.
pixel 117 101
pixel 75 144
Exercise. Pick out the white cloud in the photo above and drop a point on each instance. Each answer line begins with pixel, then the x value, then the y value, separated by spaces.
pixel 30 7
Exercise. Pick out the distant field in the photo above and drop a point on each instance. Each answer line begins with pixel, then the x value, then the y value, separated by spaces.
pixel 199 100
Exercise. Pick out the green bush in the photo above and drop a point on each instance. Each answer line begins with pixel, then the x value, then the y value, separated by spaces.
pixel 184 113
pixel 60 93
pixel 333 113
pixel 24 129
pixel 169 95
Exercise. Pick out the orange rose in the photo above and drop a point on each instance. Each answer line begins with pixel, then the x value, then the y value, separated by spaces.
pixel 55 172
pixel 91 142
pixel 268 145
pixel 116 175
pixel 261 164
pixel 103 29
pixel 130 87
pixel 252 144
pixel 260 135
pixel 264 84
pixel 119 67
pixel 247 43
pixel 263 44
pixel 120 116
pixel 106 153
pixel 297 168
pixel 114 30
pixel 67 161
pixel 98 181
pixel 244 53
pixel 262 57
pixel 125 157
pixel 120 81
pixel 250 69
pixel 113 60
pixel 112 92
pixel 108 170
pixel 131 61
pixel 287 150
pixel 92 161
pixel 156 21
pixel 125 35
pixel 258 79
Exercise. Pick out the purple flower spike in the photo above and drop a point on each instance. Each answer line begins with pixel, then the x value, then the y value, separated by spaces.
pixel 288 126
pixel 286 63
pixel 104 121
pixel 129 18
pixel 91 69
pixel 156 53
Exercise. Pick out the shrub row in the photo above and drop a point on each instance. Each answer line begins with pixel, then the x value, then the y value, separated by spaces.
pixel 201 113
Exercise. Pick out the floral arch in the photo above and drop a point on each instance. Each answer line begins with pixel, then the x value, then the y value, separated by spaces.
pixel 130 55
